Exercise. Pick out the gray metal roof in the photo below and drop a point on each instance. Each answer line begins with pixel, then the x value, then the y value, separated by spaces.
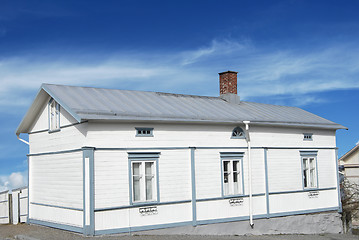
pixel 85 103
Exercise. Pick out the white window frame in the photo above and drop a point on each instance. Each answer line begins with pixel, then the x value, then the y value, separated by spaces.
pixel 141 159
pixel 54 116
pixel 309 163
pixel 229 187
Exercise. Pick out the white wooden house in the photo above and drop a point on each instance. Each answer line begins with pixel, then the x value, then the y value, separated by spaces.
pixel 115 161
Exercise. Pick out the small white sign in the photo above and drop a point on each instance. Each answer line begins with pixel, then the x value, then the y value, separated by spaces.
pixel 148 211
pixel 236 201
pixel 313 194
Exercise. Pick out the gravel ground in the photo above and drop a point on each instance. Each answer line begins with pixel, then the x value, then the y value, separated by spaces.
pixel 33 232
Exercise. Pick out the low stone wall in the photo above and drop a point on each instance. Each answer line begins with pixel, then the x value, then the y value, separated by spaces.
pixel 328 222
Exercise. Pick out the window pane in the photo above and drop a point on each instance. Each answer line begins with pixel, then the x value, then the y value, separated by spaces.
pixel 136 168
pixel 235 163
pixel 136 188
pixel 149 182
pixel 305 178
pixel 136 181
pixel 312 173
pixel 149 188
pixel 149 168
pixel 225 166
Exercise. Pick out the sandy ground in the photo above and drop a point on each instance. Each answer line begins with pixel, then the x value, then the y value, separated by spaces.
pixel 33 232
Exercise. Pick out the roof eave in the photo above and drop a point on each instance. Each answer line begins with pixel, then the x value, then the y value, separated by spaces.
pixel 37 102
pixel 219 121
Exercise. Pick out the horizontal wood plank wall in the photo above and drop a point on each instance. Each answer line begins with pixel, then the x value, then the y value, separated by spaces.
pixel 112 191
pixel 4 207
pixel 56 186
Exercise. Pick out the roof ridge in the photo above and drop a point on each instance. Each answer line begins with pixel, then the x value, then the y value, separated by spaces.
pixel 116 89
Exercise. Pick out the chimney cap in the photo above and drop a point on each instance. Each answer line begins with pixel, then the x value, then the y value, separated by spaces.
pixel 227 72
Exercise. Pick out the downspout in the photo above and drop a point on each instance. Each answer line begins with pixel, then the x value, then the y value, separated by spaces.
pixel 22 140
pixel 249 174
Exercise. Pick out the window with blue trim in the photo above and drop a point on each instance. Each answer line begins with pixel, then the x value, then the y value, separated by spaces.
pixel 309 168
pixel 232 174
pixel 238 133
pixel 144 179
pixel 54 115
pixel 144 132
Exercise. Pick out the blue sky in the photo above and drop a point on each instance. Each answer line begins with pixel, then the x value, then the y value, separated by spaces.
pixel 296 53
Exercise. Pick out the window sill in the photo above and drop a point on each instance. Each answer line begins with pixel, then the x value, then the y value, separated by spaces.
pixel 55 130
pixel 143 204
pixel 234 196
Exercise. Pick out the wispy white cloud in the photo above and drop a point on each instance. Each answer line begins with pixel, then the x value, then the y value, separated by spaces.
pixel 262 72
pixel 214 49
pixel 13 181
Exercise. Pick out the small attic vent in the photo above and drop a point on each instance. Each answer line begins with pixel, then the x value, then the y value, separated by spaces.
pixel 144 132
pixel 308 136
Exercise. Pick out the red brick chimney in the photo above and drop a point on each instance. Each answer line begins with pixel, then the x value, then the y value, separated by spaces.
pixel 228 87
pixel 228 82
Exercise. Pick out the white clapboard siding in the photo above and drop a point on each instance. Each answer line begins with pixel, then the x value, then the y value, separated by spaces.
pixel 290 137
pixel 56 215
pixel 327 168
pixel 165 135
pixel 131 217
pixel 23 198
pixel 57 179
pixel 284 170
pixel 208 173
pixel 281 203
pixel 175 175
pixel 219 209
pixel 4 207
pixel 111 179
pixel 66 139
pixel 177 135
pixel 42 122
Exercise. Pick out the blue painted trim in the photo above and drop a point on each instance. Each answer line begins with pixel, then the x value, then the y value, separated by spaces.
pixel 302 173
pixel 303 190
pixel 141 205
pixel 177 148
pixel 56 152
pixel 56 206
pixel 143 156
pixel 193 183
pixel 232 219
pixel 266 180
pixel 61 127
pixel 142 228
pixel 338 181
pixel 4 217
pixel 4 191
pixel 88 152
pixel 282 214
pixel 308 153
pixel 56 225
pixel 229 197
pixel 58 100
pixel 211 221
